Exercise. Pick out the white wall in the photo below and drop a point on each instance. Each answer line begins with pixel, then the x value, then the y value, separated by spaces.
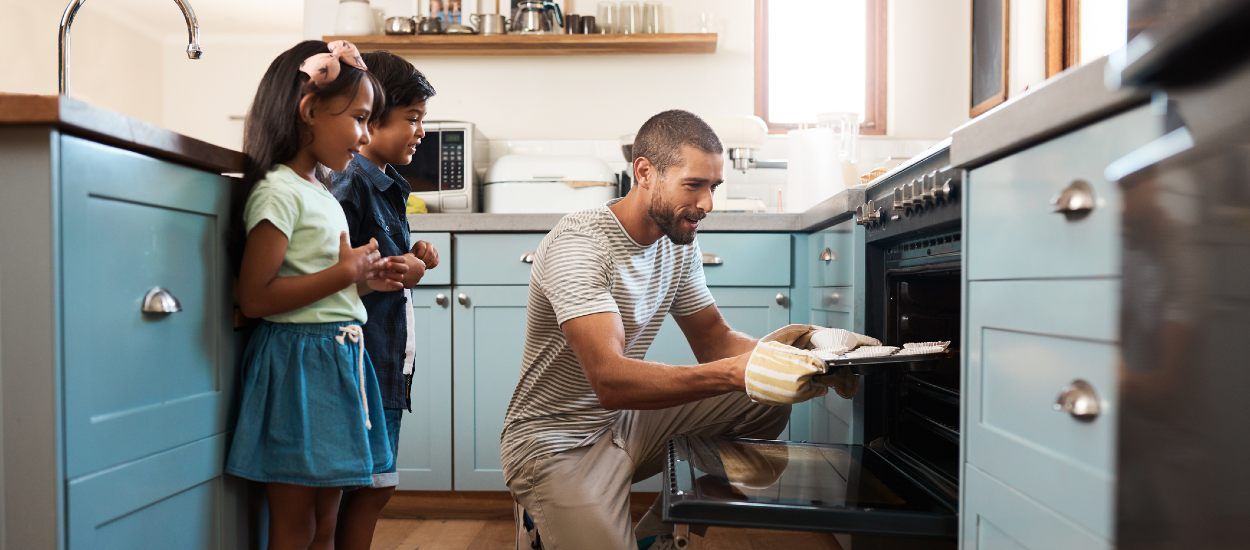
pixel 207 98
pixel 1026 62
pixel 929 67
pixel 113 65
pixel 602 97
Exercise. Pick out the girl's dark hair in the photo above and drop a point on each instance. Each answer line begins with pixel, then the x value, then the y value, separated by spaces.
pixel 273 129
pixel 404 84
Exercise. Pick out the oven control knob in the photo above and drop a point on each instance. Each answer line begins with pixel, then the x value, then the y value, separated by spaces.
pixel 930 183
pixel 872 213
pixel 859 215
pixel 917 193
pixel 899 204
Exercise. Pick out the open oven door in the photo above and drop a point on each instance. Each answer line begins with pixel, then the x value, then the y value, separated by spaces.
pixel 850 489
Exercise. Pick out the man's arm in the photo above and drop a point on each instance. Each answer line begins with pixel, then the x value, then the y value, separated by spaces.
pixel 598 340
pixel 710 336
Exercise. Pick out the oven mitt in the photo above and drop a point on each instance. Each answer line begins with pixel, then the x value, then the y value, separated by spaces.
pixel 837 340
pixel 778 374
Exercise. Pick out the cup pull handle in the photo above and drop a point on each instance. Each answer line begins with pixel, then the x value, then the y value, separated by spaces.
pixel 827 255
pixel 1079 400
pixel 528 257
pixel 1075 201
pixel 159 301
pixel 712 259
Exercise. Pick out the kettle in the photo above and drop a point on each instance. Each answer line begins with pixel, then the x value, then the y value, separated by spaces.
pixel 430 25
pixel 536 17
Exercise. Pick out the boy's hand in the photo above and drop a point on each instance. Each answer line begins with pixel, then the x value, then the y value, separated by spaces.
pixel 414 269
pixel 425 252
pixel 391 276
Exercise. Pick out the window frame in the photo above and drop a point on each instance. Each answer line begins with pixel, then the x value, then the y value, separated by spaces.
pixel 876 88
pixel 1063 35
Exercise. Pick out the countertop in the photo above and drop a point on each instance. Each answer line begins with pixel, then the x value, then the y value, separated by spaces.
pixel 1069 100
pixel 81 119
pixel 828 212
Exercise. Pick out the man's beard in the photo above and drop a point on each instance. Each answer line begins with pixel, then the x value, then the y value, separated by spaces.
pixel 669 221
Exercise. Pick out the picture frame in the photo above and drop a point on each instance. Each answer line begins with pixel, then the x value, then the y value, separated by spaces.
pixel 990 53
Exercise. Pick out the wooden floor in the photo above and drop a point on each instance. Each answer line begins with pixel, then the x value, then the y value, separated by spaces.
pixel 493 534
pixel 483 521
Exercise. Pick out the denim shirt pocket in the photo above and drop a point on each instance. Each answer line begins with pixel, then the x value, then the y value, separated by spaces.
pixel 392 229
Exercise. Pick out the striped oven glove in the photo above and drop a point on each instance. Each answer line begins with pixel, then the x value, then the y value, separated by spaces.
pixel 780 369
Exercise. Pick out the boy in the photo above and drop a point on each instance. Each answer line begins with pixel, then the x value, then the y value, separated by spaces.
pixel 373 196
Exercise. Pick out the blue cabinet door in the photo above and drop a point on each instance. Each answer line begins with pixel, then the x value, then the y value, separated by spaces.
pixel 138 383
pixel 754 311
pixel 489 333
pixel 424 454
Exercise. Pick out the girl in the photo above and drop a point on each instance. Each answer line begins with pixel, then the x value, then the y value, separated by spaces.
pixel 310 419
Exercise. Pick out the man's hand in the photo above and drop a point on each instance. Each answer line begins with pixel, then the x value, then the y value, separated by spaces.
pixel 425 252
pixel 777 374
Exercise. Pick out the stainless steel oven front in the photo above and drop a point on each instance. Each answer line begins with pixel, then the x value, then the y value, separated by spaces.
pixel 900 488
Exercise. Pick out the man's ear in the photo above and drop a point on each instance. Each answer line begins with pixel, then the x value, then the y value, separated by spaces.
pixel 644 172
pixel 307 107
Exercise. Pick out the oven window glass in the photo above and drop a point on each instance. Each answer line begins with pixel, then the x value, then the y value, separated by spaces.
pixel 422 172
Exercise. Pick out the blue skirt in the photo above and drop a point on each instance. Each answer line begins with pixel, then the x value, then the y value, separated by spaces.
pixel 301 417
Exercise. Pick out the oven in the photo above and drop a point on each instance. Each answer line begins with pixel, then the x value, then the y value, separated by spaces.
pixel 900 487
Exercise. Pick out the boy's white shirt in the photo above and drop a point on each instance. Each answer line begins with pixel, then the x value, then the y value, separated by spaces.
pixel 410 345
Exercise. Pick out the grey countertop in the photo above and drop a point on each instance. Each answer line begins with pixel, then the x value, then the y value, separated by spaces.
pixel 1075 97
pixel 831 211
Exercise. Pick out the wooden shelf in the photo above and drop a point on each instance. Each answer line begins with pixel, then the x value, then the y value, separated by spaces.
pixel 534 44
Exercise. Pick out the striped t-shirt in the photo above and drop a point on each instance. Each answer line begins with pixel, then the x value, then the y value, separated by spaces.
pixel 589 264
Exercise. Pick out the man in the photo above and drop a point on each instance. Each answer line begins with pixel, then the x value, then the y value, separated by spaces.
pixel 589 416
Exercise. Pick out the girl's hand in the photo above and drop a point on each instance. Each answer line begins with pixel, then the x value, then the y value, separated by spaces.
pixel 425 252
pixel 391 277
pixel 361 263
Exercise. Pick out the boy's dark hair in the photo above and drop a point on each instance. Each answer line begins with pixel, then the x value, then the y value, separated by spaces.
pixel 404 84
pixel 661 137
pixel 272 132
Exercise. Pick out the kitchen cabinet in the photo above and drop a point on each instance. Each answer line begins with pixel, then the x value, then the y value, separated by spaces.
pixel 834 259
pixel 116 411
pixel 424 457
pixel 1041 295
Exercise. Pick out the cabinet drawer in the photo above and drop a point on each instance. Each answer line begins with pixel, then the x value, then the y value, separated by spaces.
pixel 746 259
pixel 831 256
pixel 833 298
pixel 1015 232
pixel 174 499
pixel 495 259
pixel 996 517
pixel 1023 352
pixel 136 383
pixel 441 275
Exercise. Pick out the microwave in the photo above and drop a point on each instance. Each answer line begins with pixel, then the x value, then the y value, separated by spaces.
pixel 446 170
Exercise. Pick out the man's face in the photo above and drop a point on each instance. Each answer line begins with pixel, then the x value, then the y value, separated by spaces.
pixel 396 136
pixel 682 194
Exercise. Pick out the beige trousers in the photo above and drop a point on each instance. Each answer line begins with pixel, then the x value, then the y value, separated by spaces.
pixel 579 498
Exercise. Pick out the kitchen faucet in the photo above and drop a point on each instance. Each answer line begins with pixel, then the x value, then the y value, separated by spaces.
pixel 67 19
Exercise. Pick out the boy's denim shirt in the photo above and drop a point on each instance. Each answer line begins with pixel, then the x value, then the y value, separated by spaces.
pixel 374 203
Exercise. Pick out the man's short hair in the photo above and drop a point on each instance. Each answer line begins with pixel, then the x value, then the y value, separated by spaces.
pixel 661 137
pixel 403 84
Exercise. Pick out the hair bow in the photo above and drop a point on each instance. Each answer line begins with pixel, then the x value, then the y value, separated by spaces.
pixel 323 68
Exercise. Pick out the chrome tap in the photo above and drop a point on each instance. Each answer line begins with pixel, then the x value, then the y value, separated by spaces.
pixel 67 20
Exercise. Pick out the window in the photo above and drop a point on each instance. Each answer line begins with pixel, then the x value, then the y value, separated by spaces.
pixel 819 56
pixel 1079 32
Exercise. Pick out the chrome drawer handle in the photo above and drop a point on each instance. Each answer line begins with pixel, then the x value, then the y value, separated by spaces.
pixel 440 299
pixel 712 259
pixel 159 301
pixel 463 299
pixel 827 255
pixel 834 298
pixel 781 299
pixel 1075 201
pixel 528 257
pixel 1079 400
